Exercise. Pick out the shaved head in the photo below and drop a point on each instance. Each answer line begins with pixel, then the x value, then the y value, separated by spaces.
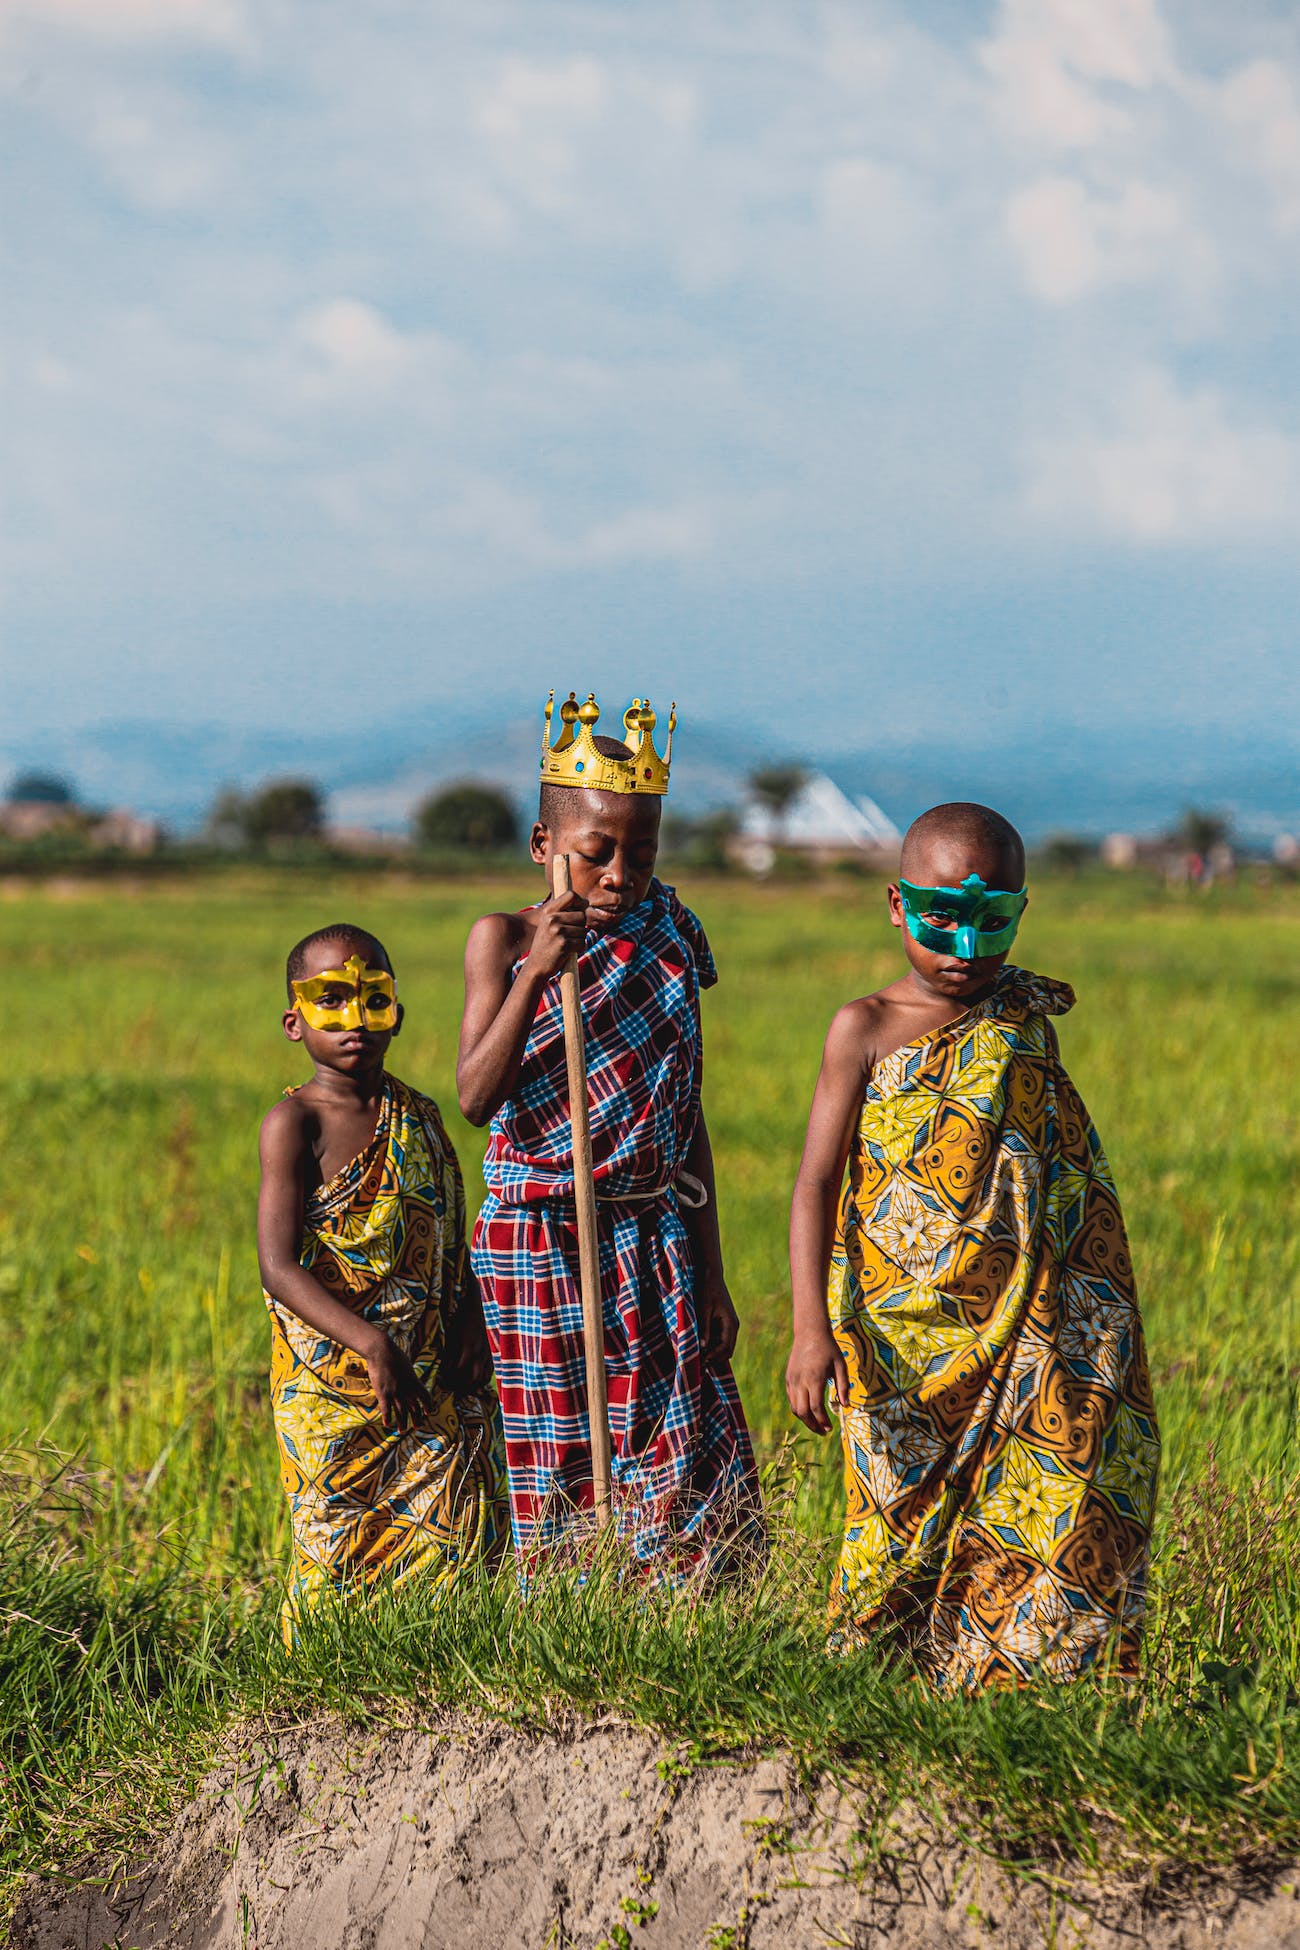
pixel 341 935
pixel 967 835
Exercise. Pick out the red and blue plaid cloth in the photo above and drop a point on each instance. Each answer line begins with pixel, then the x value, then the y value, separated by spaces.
pixel 684 1481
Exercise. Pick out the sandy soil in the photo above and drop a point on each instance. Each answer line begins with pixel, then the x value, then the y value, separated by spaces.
pixel 479 1835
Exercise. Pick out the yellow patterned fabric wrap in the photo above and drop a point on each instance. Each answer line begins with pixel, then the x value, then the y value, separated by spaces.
pixel 386 1236
pixel 1000 1446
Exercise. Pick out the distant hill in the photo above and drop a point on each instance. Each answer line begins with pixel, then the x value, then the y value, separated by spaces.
pixel 1063 780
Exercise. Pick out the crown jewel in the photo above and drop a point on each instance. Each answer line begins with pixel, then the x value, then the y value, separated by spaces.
pixel 574 760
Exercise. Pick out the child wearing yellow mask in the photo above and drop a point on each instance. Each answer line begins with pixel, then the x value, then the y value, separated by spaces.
pixel 388 1429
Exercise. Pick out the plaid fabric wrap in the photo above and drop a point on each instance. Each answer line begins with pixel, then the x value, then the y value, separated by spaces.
pixel 641 1008
pixel 684 1479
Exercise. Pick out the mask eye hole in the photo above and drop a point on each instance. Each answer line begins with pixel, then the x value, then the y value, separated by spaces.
pixel 940 917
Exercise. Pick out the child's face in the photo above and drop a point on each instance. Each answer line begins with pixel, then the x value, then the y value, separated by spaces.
pixel 945 862
pixel 612 840
pixel 335 971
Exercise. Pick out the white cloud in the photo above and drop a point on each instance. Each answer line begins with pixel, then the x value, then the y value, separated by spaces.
pixel 1158 465
pixel 221 23
pixel 1259 105
pixel 864 202
pixel 155 153
pixel 1071 241
pixel 650 535
pixel 477 525
pixel 1053 61
pixel 536 119
pixel 346 346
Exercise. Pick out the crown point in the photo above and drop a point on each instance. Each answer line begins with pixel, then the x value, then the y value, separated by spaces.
pixel 575 758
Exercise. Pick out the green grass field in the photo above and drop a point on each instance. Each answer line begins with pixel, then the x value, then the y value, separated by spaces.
pixel 146 1533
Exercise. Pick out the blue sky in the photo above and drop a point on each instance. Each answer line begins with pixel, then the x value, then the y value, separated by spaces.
pixel 861 374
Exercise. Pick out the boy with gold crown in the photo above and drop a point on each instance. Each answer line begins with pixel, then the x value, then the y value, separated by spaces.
pixel 685 1493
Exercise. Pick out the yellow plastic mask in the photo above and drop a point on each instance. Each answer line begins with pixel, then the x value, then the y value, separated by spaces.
pixel 351 997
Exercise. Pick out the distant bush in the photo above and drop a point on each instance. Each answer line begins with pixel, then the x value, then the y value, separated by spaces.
pixel 41 789
pixel 1201 830
pixel 286 809
pixel 283 810
pixel 776 787
pixel 478 817
pixel 700 843
pixel 1066 852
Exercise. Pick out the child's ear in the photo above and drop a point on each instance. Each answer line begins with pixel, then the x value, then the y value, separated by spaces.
pixel 401 1017
pixel 895 905
pixel 539 843
pixel 292 1022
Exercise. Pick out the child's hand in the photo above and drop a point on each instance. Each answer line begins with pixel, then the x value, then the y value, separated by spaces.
pixel 719 1322
pixel 815 1360
pixel 402 1396
pixel 559 931
pixel 467 1361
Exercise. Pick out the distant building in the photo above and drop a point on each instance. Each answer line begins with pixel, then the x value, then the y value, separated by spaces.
pixel 1119 850
pixel 823 824
pixel 36 819
pixel 49 816
pixel 365 840
pixel 121 831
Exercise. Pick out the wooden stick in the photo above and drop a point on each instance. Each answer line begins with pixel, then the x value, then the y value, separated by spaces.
pixel 584 1194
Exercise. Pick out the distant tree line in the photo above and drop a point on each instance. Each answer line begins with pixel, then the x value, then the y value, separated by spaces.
pixel 286 818
pixel 291 813
pixel 283 810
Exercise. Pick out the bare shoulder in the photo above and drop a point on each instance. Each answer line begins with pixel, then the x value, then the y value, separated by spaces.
pixel 495 942
pixel 285 1126
pixel 858 1032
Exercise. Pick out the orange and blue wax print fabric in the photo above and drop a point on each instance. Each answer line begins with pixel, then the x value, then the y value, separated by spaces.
pixel 684 1485
pixel 386 1236
pixel 1000 1445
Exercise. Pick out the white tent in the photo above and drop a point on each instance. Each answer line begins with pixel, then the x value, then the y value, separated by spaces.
pixel 822 818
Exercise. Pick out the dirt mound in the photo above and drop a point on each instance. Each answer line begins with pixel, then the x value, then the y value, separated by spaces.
pixel 479 1835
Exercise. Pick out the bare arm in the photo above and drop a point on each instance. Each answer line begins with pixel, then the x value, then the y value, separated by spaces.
pixel 815 1359
pixel 398 1389
pixel 718 1321
pixel 499 1013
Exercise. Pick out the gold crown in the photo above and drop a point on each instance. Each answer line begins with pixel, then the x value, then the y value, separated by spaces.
pixel 574 760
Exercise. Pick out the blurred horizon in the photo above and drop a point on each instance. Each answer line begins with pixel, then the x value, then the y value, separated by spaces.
pixel 1092 785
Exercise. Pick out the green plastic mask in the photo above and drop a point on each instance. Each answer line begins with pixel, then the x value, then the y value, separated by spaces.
pixel 966 921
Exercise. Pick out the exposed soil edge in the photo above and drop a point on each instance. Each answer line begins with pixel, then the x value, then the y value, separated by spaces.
pixel 474 1834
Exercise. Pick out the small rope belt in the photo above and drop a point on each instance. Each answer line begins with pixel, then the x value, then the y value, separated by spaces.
pixel 691 1193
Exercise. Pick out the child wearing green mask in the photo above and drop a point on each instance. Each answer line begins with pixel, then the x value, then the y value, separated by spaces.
pixel 969 1300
